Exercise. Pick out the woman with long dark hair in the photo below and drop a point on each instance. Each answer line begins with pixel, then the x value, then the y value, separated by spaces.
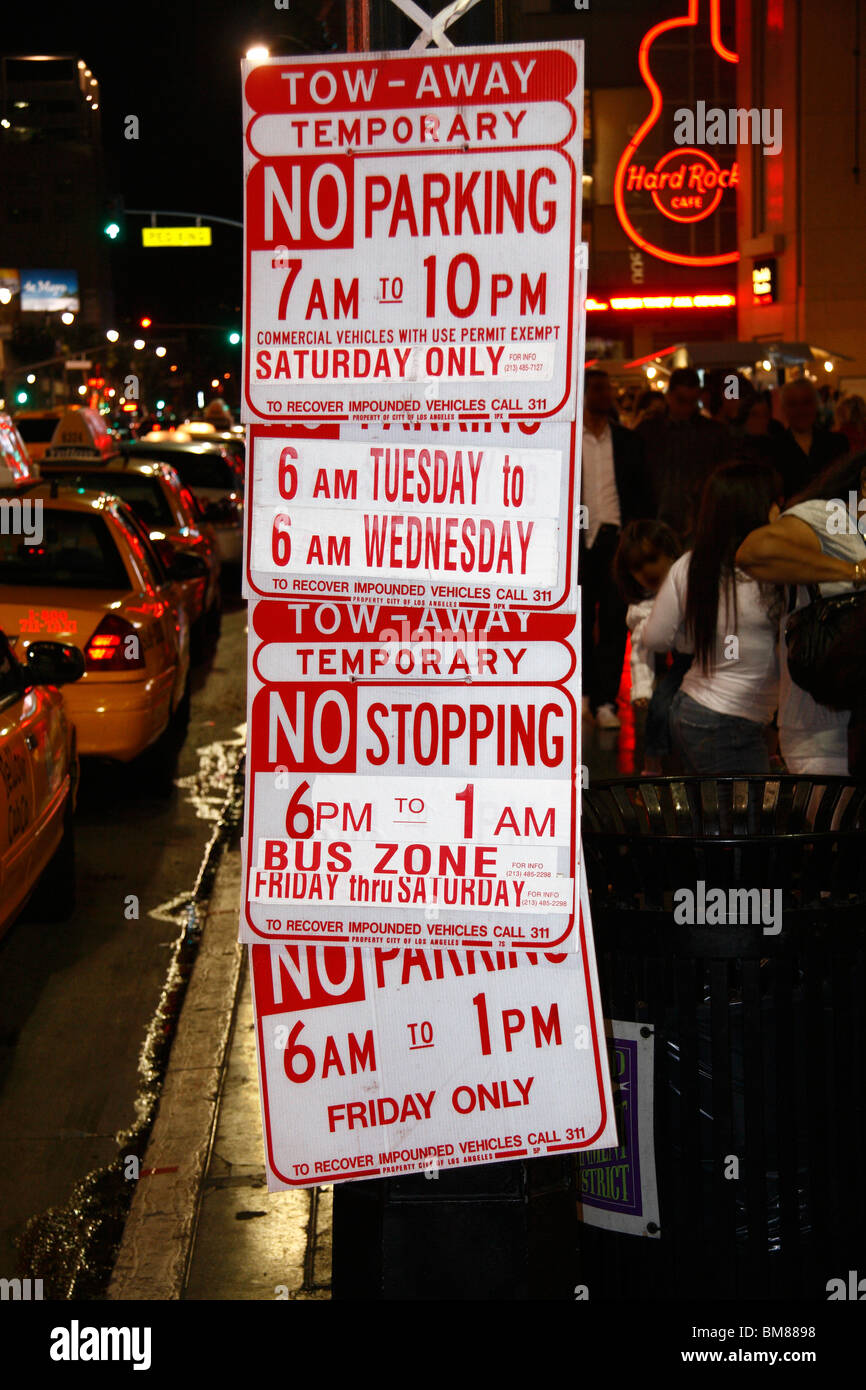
pixel 817 542
pixel 710 607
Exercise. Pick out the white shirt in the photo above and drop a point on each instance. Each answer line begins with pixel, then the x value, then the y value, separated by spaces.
pixel 743 676
pixel 642 664
pixel 808 730
pixel 598 482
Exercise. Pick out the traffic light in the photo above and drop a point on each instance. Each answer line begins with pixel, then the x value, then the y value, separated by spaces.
pixel 234 338
pixel 113 220
pixel 145 322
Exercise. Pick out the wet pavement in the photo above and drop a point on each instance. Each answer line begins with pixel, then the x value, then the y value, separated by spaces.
pixel 250 1244
pixel 78 999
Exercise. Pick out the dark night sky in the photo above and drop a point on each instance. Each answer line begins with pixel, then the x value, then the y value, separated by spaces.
pixel 176 66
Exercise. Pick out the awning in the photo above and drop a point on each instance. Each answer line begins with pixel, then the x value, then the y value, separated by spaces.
pixel 739 355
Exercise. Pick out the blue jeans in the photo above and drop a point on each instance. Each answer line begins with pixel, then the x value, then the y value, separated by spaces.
pixel 657 737
pixel 712 744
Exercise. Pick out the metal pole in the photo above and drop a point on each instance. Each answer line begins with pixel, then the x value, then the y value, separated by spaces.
pixel 358 26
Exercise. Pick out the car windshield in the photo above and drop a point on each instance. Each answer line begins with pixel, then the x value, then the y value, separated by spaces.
pixel 77 551
pixel 204 470
pixel 142 493
pixel 36 431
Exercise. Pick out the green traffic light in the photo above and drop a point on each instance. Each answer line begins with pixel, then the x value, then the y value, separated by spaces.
pixel 112 230
pixel 234 339
pixel 22 398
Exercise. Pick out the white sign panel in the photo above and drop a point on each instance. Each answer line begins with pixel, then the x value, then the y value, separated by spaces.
pixel 378 515
pixel 412 229
pixel 379 1062
pixel 617 1186
pixel 412 776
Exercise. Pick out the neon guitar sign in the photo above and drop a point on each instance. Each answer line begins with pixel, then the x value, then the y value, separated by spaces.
pixel 685 184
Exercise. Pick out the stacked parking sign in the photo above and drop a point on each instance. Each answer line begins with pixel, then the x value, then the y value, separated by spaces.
pixel 421 952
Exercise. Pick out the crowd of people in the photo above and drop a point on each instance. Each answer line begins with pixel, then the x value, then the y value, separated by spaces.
pixel 709 524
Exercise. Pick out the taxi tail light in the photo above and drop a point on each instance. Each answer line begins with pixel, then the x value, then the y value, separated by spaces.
pixel 109 649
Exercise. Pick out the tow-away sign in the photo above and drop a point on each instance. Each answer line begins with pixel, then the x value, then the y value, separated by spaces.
pixel 412 228
pixel 379 1062
pixel 412 776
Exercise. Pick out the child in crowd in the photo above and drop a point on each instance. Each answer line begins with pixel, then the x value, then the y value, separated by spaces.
pixel 645 553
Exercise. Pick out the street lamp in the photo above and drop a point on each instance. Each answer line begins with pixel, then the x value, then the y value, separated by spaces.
pixel 31 378
pixel 82 390
pixel 160 351
pixel 112 335
pixel 139 344
pixel 5 295
pixel 257 53
pixel 67 317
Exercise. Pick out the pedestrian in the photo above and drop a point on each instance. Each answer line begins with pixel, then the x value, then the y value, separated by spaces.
pixel 647 405
pixel 645 553
pixel 726 393
pixel 721 714
pixel 614 491
pixel 816 542
pixel 682 448
pixel 806 447
pixel 851 421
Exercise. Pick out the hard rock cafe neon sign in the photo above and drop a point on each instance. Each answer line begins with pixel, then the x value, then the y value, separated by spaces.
pixel 685 184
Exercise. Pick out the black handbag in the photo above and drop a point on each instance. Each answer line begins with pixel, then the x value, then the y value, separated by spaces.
pixel 826 642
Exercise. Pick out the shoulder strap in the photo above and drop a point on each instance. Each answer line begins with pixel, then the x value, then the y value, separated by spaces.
pixel 814 594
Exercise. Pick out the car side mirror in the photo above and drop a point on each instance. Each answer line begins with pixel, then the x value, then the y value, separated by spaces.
pixel 185 565
pixel 54 663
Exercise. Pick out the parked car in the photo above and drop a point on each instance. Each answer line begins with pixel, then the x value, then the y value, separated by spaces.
pixel 38 779
pixel 96 582
pixel 16 465
pixel 216 478
pixel 174 519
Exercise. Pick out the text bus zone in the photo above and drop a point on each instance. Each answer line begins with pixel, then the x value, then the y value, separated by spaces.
pixel 412 229
pixel 378 1062
pixel 411 776
pixel 376 510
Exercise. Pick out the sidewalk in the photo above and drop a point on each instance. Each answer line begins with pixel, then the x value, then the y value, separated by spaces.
pixel 202 1225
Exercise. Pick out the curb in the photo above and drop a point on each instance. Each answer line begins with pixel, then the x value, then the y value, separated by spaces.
pixel 157 1239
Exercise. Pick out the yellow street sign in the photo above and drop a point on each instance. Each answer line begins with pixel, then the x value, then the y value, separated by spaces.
pixel 176 236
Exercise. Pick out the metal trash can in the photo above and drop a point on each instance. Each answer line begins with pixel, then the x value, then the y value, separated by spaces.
pixel 501 1231
pixel 758 1021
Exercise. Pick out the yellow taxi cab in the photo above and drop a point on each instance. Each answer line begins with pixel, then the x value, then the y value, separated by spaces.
pixel 80 432
pixel 36 428
pixel 173 519
pixel 38 780
pixel 94 580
